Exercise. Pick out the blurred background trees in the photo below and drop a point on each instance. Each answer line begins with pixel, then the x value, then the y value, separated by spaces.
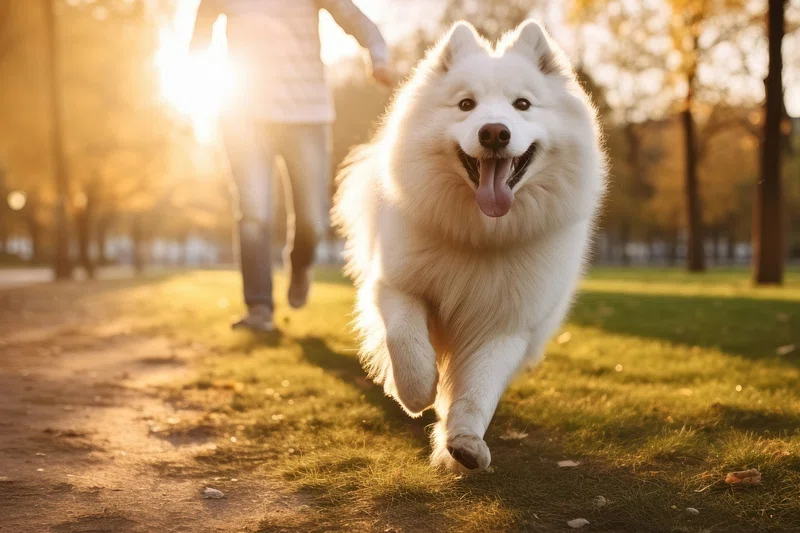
pixel 131 165
pixel 705 157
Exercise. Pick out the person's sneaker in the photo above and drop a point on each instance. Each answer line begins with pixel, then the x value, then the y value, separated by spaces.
pixel 299 285
pixel 258 318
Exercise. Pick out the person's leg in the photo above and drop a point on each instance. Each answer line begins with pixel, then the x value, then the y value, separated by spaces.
pixel 251 156
pixel 306 150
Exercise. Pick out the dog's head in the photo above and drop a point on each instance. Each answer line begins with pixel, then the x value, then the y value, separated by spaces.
pixel 492 116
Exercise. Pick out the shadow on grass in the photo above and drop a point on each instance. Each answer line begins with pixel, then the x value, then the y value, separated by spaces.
pixel 246 341
pixel 525 491
pixel 348 369
pixel 757 421
pixel 737 326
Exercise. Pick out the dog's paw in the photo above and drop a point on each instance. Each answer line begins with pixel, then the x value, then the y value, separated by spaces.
pixel 462 453
pixel 414 377
pixel 413 400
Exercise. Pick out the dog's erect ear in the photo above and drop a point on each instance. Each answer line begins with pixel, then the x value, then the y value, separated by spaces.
pixel 461 39
pixel 530 39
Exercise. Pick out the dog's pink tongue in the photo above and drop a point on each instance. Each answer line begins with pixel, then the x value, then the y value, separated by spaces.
pixel 494 195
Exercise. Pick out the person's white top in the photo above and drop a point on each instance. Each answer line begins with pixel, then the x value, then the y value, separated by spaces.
pixel 275 47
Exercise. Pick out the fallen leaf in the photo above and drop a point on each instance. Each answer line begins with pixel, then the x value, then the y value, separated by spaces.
pixel 786 350
pixel 564 337
pixel 567 464
pixel 578 523
pixel 212 493
pixel 513 434
pixel 746 477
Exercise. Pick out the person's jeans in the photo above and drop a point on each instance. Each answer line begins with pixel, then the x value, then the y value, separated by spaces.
pixel 304 151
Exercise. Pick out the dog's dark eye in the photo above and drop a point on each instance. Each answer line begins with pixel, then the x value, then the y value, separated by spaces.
pixel 522 104
pixel 467 104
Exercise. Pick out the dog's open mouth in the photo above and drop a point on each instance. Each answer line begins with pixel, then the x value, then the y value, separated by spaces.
pixel 495 178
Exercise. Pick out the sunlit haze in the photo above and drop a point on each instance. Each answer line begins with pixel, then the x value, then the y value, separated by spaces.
pixel 198 86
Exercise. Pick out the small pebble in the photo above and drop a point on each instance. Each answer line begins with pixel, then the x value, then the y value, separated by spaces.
pixel 691 511
pixel 212 493
pixel 578 523
pixel 786 350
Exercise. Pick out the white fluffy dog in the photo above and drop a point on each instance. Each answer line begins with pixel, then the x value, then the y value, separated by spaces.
pixel 467 220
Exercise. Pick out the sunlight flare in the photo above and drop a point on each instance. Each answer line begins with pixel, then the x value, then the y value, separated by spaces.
pixel 198 85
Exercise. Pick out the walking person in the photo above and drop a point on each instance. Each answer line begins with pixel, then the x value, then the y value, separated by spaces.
pixel 283 109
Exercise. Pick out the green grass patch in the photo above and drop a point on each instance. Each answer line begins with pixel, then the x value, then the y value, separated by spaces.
pixel 663 384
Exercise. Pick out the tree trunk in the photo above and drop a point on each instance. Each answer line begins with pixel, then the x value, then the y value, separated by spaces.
pixel 695 253
pixel 624 238
pixel 607 256
pixel 137 235
pixel 731 255
pixel 635 167
pixel 35 231
pixel 3 231
pixel 716 236
pixel 652 254
pixel 768 252
pixel 4 213
pixel 61 260
pixel 101 239
pixel 672 248
pixel 83 224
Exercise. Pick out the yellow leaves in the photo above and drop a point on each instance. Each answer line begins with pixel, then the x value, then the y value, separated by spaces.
pixel 745 477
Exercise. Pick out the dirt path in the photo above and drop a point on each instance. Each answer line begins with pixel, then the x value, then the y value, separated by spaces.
pixel 81 420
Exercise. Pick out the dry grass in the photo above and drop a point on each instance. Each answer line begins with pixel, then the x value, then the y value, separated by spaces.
pixel 666 383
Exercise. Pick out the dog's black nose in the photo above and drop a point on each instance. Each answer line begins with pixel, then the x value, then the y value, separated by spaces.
pixel 494 136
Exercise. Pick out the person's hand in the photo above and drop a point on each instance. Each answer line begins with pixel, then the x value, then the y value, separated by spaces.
pixel 384 75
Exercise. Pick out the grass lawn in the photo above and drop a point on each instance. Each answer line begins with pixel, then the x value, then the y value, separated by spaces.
pixel 660 384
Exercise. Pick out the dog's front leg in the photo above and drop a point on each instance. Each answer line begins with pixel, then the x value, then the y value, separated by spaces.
pixel 471 387
pixel 413 377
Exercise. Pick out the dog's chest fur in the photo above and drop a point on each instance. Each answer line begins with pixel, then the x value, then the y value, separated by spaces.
pixel 472 294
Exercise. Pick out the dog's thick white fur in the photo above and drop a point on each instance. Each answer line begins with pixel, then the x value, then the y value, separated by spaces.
pixel 464 269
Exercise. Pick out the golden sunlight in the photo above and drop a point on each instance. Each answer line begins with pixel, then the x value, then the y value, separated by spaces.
pixel 198 85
